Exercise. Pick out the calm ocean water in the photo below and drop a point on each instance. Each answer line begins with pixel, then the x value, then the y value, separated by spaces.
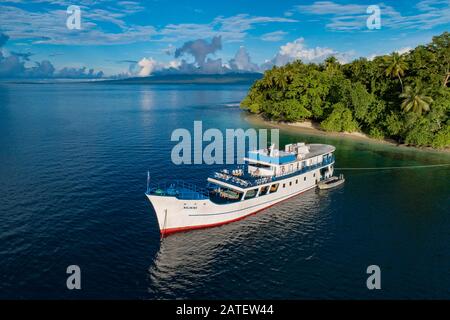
pixel 73 165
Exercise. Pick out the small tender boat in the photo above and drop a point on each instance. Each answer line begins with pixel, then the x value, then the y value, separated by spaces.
pixel 331 182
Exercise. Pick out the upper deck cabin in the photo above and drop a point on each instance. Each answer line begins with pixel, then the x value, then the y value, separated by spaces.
pixel 273 162
pixel 266 165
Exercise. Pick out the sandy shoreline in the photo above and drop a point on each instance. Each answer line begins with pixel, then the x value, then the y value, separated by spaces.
pixel 311 128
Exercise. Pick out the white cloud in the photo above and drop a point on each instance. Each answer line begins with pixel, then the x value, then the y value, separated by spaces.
pixel 403 50
pixel 298 50
pixel 329 7
pixel 244 22
pixel 288 13
pixel 232 29
pixel 347 17
pixel 242 62
pixel 273 36
pixel 148 65
pixel 48 25
pixel 344 17
pixel 289 52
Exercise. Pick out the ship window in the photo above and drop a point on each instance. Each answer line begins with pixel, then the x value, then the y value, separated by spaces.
pixel 314 175
pixel 260 165
pixel 296 181
pixel 221 195
pixel 250 194
pixel 304 179
pixel 284 185
pixel 290 183
pixel 274 188
pixel 263 190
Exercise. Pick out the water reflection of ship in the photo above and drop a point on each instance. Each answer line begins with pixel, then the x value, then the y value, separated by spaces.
pixel 186 261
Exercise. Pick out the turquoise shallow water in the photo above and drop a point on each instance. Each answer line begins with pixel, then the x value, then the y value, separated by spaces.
pixel 73 162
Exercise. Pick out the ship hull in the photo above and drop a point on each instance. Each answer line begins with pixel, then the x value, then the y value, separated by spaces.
pixel 176 215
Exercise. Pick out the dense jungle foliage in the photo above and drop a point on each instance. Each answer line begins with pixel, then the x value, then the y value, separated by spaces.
pixel 405 97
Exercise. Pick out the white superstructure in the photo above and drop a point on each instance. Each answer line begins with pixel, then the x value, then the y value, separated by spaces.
pixel 269 176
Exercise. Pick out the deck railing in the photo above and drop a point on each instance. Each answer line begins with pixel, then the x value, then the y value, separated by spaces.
pixel 247 180
pixel 188 191
pixel 180 189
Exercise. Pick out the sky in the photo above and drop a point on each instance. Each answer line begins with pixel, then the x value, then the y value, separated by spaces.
pixel 142 38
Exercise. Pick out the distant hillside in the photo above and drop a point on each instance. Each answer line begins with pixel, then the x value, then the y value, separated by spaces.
pixel 229 78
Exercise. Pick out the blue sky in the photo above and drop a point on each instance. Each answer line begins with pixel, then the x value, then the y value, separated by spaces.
pixel 115 35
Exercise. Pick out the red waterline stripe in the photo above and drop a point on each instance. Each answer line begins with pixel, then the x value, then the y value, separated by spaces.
pixel 167 232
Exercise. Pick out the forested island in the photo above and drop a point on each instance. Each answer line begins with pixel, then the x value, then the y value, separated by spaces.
pixel 403 97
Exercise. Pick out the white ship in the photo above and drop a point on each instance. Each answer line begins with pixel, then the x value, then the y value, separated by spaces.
pixel 269 176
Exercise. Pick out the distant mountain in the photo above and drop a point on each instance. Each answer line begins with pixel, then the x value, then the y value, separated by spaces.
pixel 228 78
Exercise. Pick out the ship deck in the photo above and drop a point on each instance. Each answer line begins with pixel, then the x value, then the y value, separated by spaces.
pixel 247 181
pixel 178 189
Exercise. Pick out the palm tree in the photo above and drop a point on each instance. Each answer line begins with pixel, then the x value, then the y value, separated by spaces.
pixel 395 66
pixel 415 99
pixel 282 78
pixel 268 80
